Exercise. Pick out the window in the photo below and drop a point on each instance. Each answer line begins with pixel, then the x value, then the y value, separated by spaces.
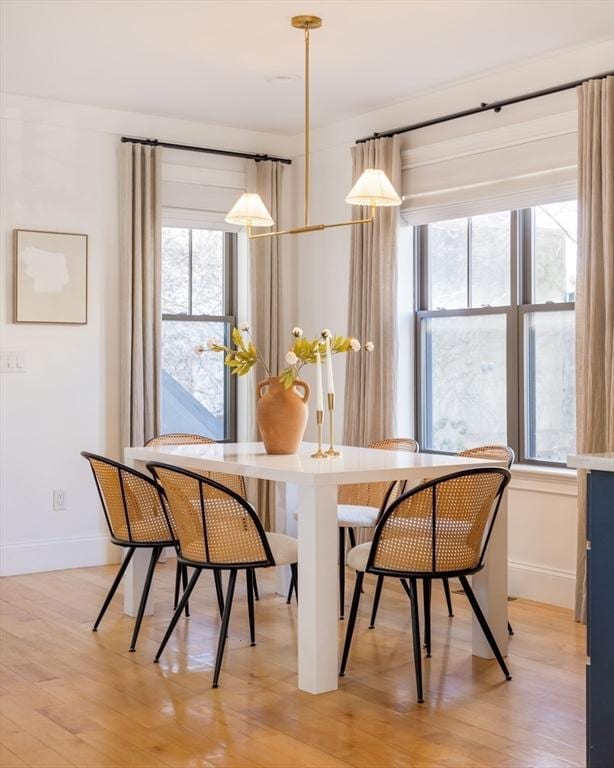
pixel 495 332
pixel 198 303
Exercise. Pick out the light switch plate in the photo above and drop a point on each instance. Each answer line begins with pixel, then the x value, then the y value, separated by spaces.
pixel 12 362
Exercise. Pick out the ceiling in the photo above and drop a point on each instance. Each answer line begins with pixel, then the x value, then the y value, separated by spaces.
pixel 213 61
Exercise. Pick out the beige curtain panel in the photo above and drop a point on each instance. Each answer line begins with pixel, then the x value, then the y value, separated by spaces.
pixel 140 292
pixel 594 292
pixel 266 303
pixel 370 386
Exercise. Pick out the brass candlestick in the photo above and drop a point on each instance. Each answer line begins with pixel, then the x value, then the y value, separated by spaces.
pixel 331 413
pixel 319 454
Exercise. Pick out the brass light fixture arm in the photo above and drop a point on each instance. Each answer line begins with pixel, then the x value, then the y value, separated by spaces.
pixel 312 227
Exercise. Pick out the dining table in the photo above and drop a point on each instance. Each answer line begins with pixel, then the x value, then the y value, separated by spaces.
pixel 306 507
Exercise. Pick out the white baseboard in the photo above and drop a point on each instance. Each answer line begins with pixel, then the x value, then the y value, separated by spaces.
pixel 57 554
pixel 542 584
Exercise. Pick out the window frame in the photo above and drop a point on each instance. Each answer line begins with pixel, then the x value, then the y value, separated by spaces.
pixel 229 318
pixel 521 304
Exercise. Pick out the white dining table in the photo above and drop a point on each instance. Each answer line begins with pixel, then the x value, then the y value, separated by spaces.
pixel 308 487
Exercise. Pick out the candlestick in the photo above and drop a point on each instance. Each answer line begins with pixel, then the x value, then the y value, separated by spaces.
pixel 329 367
pixel 319 398
pixel 331 412
pixel 319 454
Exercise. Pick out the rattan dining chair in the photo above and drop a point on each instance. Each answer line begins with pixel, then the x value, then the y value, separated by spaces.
pixel 500 453
pixel 497 453
pixel 218 530
pixel 136 519
pixel 234 482
pixel 358 507
pixel 439 529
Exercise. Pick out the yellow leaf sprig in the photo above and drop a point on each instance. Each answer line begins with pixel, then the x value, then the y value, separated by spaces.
pixel 244 356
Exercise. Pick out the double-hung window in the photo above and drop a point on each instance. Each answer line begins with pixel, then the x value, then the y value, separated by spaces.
pixel 495 332
pixel 198 304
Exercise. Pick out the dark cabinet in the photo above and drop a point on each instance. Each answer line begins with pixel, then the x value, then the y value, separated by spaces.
pixel 600 635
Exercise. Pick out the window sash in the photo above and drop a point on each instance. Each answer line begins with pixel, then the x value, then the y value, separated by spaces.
pixel 229 319
pixel 521 289
pixel 523 380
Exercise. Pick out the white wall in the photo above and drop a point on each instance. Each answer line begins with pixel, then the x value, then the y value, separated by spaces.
pixel 59 172
pixel 542 564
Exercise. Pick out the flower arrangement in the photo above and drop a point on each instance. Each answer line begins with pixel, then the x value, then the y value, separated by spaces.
pixel 244 356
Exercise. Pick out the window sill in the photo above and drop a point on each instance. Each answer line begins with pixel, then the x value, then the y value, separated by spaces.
pixel 531 477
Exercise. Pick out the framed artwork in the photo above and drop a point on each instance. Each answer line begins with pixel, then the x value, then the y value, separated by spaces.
pixel 50 277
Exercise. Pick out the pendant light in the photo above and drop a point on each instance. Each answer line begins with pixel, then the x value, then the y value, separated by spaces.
pixel 373 189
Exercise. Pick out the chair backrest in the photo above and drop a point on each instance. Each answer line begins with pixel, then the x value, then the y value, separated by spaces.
pixel 440 527
pixel 234 482
pixel 496 452
pixel 214 525
pixel 375 494
pixel 178 438
pixel 131 502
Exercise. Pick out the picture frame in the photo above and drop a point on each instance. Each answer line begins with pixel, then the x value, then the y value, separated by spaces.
pixel 51 277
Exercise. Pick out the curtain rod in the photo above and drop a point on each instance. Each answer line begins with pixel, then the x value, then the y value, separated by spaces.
pixel 207 150
pixel 484 107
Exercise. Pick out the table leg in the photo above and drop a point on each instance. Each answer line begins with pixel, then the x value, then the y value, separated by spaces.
pixel 490 587
pixel 317 603
pixel 134 578
pixel 286 506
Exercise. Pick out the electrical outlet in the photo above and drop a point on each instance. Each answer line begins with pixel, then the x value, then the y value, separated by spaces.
pixel 59 499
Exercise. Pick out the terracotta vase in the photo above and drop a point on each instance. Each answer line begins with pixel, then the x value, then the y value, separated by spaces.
pixel 282 414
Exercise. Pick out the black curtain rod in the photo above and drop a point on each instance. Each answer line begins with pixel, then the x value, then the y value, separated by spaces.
pixel 484 107
pixel 207 150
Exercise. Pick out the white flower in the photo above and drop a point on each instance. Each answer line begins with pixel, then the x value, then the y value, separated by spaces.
pixel 199 349
pixel 211 344
pixel 369 346
pixel 291 358
pixel 244 327
pixel 297 332
pixel 355 345
pixel 326 334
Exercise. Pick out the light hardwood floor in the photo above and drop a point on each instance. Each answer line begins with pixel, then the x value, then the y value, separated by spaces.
pixel 70 697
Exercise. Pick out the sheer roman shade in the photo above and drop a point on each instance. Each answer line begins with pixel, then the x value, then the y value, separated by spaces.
pixel 482 171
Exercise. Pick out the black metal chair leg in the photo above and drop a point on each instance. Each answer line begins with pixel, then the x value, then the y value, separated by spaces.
pixel 250 605
pixel 224 628
pixel 217 575
pixel 341 571
pixel 406 587
pixel 352 536
pixel 184 579
pixel 122 569
pixel 155 554
pixel 178 573
pixel 376 599
pixel 180 606
pixel 255 582
pixel 290 590
pixel 446 589
pixel 415 622
pixel 485 628
pixel 294 581
pixel 426 599
pixel 510 630
pixel 352 621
